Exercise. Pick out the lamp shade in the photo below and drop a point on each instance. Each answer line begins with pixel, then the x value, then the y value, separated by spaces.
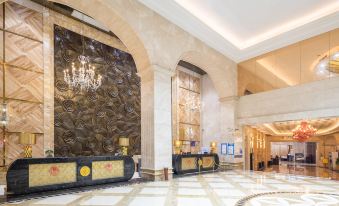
pixel 213 144
pixel 27 138
pixel 177 143
pixel 124 141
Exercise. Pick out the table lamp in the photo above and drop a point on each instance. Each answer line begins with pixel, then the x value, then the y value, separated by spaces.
pixel 213 146
pixel 177 145
pixel 124 143
pixel 27 140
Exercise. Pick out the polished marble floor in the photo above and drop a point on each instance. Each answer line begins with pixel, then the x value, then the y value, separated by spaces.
pixel 298 169
pixel 212 189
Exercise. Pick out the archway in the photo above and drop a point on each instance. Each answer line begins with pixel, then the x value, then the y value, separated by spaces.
pixel 218 94
pixel 117 25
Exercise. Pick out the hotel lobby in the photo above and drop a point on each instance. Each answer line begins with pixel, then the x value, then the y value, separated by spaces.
pixel 169 103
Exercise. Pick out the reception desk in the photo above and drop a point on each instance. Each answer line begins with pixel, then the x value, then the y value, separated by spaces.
pixel 44 174
pixel 192 163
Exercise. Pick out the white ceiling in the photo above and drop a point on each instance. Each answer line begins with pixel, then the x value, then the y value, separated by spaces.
pixel 242 29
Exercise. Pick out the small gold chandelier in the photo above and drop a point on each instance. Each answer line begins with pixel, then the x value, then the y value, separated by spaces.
pixel 84 76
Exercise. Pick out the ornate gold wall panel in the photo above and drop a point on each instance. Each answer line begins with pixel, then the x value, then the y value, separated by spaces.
pixel 90 123
pixel 187 110
pixel 23 52
pixel 183 96
pixel 195 84
pixel 52 173
pixel 24 21
pixel 188 163
pixel 184 80
pixel 107 169
pixel 24 85
pixel 25 117
pixel 184 114
pixel 207 162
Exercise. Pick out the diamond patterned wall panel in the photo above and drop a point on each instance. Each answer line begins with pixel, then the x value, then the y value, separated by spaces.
pixel 1 145
pixel 1 16
pixel 1 80
pixel 13 149
pixel 23 21
pixel 1 46
pixel 25 117
pixel 24 85
pixel 23 52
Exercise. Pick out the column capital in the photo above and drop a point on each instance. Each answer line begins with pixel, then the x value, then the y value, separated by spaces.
pixel 156 68
pixel 229 99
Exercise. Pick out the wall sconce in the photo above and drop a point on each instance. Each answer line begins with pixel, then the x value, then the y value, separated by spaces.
pixel 27 140
pixel 4 118
pixel 177 145
pixel 213 146
pixel 124 143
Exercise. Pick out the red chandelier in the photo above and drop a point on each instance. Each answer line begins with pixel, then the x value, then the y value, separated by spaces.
pixel 303 131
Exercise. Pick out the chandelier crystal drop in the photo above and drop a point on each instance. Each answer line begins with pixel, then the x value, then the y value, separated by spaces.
pixel 303 131
pixel 83 76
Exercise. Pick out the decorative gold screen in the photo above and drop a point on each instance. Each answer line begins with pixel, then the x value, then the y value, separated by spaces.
pixel 207 162
pixel 186 110
pixel 188 163
pixel 107 169
pixel 51 173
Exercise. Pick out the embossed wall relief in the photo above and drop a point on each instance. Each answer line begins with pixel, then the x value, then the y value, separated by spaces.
pixel 90 123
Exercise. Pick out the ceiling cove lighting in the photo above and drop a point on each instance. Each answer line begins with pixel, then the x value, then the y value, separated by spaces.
pixel 207 18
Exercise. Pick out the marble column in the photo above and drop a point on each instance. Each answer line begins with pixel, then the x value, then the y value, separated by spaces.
pixel 228 125
pixel 156 132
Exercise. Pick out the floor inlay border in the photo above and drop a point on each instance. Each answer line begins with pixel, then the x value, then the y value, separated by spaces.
pixel 246 199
